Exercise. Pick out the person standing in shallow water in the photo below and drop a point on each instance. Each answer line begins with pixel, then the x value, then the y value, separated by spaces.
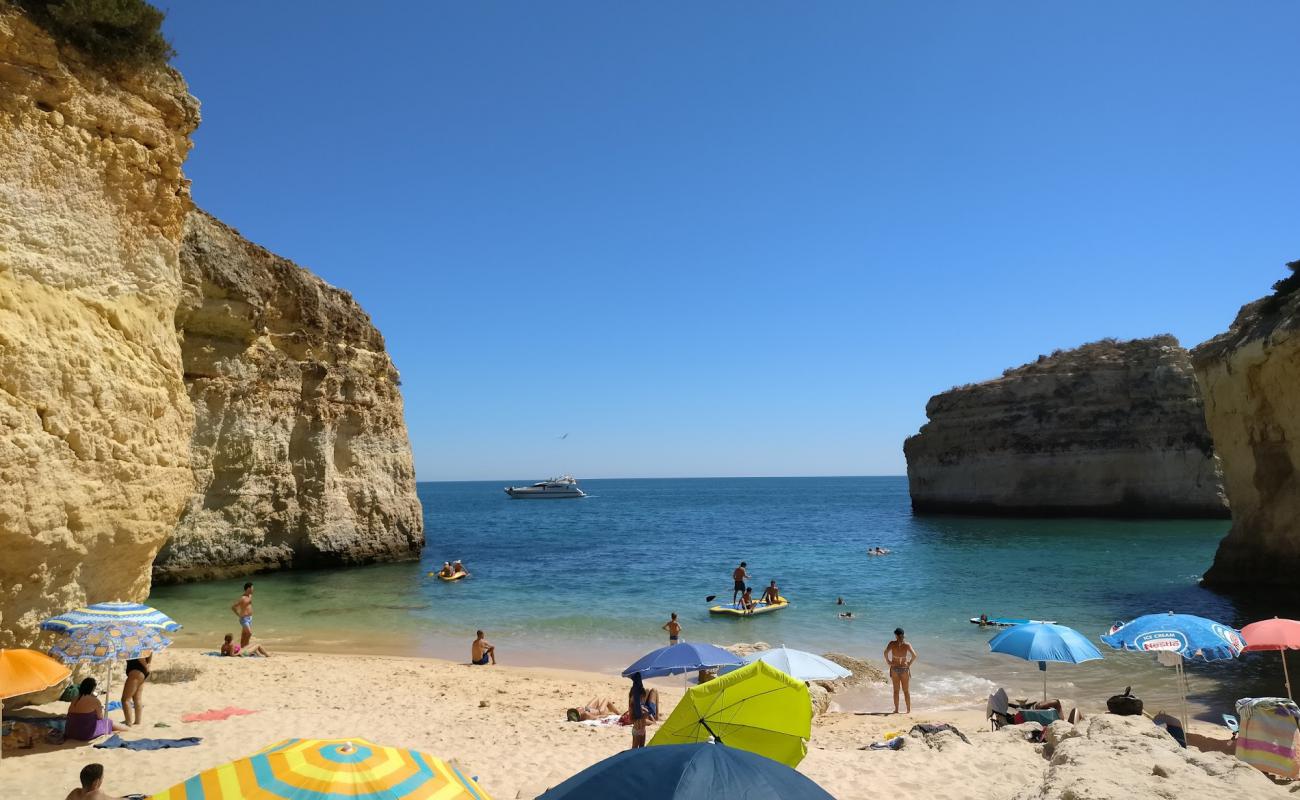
pixel 900 656
pixel 674 629
pixel 243 608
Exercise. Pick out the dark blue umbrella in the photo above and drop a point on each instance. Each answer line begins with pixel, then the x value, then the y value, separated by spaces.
pixel 678 658
pixel 688 772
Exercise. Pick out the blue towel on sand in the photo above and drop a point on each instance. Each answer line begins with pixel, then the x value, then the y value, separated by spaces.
pixel 114 705
pixel 116 741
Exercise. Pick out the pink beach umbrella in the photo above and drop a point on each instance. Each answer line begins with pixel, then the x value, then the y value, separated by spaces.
pixel 1274 634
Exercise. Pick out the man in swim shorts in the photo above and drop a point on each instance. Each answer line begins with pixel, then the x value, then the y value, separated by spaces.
pixel 747 600
pixel 900 656
pixel 771 595
pixel 243 608
pixel 738 578
pixel 674 629
pixel 482 651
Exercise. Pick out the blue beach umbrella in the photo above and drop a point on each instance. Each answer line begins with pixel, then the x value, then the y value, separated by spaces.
pixel 678 658
pixel 1182 636
pixel 1043 642
pixel 99 613
pixel 797 664
pixel 688 772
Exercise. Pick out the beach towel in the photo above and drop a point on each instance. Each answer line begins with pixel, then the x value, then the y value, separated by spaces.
pixel 1267 740
pixel 214 714
pixel 113 742
pixel 929 728
pixel 607 721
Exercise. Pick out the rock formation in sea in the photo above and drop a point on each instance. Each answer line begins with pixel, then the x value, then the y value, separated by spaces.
pixel 99 446
pixel 94 420
pixel 1112 428
pixel 1250 377
pixel 299 448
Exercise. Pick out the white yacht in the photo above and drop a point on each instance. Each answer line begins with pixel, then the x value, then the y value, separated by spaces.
pixel 552 488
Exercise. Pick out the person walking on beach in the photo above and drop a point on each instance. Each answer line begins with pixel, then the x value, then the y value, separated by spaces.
pixel 738 578
pixel 674 629
pixel 482 650
pixel 243 608
pixel 900 656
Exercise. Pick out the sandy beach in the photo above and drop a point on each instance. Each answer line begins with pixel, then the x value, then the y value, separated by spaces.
pixel 506 725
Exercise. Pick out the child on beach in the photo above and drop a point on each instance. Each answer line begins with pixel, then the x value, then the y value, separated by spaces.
pixel 674 629
pixel 229 648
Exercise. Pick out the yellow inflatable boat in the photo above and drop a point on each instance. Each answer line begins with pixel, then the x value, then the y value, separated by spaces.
pixel 455 577
pixel 735 610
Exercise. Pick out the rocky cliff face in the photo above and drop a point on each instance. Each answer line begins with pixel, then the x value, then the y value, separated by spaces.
pixel 299 450
pixel 1250 377
pixel 94 420
pixel 1108 429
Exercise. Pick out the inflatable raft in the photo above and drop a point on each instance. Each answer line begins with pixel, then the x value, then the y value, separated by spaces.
pixel 1007 622
pixel 455 577
pixel 735 609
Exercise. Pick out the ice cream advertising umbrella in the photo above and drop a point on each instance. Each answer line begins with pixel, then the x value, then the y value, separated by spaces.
pixel 1043 642
pixel 27 671
pixel 1274 634
pixel 688 772
pixel 757 708
pixel 99 613
pixel 329 769
pixel 1177 637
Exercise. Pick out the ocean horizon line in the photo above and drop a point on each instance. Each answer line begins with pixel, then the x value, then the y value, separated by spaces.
pixel 669 478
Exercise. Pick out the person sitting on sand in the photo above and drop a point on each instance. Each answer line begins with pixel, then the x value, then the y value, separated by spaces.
pixel 229 648
pixel 674 629
pixel 595 708
pixel 92 785
pixel 481 651
pixel 747 600
pixel 446 571
pixel 771 595
pixel 900 656
pixel 86 718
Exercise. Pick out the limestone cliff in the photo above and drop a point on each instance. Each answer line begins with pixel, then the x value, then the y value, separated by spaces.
pixel 1250 377
pixel 94 420
pixel 1107 429
pixel 299 450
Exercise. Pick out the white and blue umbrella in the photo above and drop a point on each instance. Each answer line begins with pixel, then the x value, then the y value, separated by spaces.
pixel 1181 636
pixel 1043 642
pixel 678 658
pixel 798 664
pixel 100 613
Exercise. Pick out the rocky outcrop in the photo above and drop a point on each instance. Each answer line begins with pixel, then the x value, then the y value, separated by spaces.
pixel 299 448
pixel 1108 429
pixel 94 420
pixel 1250 377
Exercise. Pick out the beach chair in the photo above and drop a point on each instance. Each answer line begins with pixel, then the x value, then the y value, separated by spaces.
pixel 1267 736
pixel 1230 722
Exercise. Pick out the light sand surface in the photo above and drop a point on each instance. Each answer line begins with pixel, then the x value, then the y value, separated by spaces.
pixel 504 724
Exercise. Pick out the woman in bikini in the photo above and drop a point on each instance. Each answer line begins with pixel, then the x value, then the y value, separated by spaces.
pixel 137 672
pixel 900 656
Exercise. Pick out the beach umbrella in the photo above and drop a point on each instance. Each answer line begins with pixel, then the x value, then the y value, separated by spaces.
pixel 1177 637
pixel 688 772
pixel 1274 634
pixel 108 643
pixel 757 708
pixel 27 671
pixel 1043 642
pixel 329 769
pixel 678 658
pixel 99 613
pixel 797 664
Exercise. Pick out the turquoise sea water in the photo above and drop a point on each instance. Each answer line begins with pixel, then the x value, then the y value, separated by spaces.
pixel 589 582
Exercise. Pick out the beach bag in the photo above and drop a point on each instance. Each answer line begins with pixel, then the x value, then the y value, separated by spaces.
pixel 1125 705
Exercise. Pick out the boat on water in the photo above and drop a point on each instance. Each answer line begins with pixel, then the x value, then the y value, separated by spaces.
pixel 1008 622
pixel 549 489
pixel 737 610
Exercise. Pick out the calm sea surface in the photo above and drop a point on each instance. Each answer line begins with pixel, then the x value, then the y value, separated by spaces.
pixel 588 583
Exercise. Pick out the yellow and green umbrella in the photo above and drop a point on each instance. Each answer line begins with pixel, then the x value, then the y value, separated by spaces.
pixel 757 708
pixel 329 769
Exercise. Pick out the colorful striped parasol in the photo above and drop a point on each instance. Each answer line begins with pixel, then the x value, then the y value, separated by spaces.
pixel 108 643
pixel 333 769
pixel 99 613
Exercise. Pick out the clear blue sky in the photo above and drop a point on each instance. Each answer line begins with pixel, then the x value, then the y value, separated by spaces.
pixel 745 238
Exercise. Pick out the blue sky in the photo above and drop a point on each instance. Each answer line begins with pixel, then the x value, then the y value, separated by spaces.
pixel 745 238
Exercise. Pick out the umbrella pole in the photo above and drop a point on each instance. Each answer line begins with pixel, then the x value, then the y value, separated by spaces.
pixel 1287 676
pixel 1044 682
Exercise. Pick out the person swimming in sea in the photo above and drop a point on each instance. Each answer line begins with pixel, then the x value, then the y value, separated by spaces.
pixel 446 571
pixel 900 656
pixel 457 567
pixel 846 615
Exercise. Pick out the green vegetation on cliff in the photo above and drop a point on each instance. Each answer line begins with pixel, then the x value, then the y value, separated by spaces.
pixel 111 32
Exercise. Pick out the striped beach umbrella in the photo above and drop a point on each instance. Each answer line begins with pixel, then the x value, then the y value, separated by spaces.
pixel 329 769
pixel 99 613
pixel 109 642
